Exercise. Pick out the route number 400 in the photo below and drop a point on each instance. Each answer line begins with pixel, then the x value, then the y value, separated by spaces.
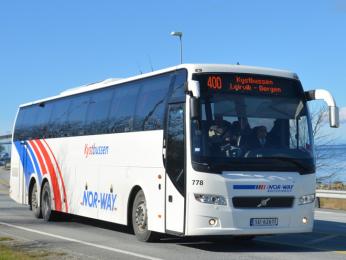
pixel 197 182
pixel 214 82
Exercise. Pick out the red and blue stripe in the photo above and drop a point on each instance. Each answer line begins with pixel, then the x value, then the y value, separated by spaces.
pixel 36 158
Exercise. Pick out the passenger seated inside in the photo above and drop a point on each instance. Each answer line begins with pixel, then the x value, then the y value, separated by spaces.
pixel 278 137
pixel 258 139
pixel 235 134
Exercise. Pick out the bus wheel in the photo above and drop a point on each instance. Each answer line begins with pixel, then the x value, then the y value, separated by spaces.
pixel 46 201
pixel 140 219
pixel 36 209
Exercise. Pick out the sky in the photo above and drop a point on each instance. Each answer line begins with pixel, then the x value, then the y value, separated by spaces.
pixel 49 46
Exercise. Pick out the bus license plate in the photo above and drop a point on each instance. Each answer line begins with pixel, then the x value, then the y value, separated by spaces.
pixel 264 222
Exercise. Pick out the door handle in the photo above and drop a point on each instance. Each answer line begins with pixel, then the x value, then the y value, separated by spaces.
pixel 170 198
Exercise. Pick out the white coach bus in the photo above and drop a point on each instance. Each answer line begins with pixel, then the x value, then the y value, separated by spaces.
pixel 190 150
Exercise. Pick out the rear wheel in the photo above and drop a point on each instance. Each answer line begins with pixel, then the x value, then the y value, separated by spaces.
pixel 34 202
pixel 46 202
pixel 140 219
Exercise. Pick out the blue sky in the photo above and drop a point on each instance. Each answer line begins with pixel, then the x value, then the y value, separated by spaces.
pixel 49 46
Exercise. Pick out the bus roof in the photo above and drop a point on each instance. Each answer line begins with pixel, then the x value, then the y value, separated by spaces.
pixel 190 67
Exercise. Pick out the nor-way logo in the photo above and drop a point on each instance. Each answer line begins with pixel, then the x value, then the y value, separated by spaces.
pixel 265 187
pixel 105 201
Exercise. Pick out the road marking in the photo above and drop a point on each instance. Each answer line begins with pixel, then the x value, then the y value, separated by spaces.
pixel 315 241
pixel 326 233
pixel 15 236
pixel 82 242
pixel 329 213
pixel 304 246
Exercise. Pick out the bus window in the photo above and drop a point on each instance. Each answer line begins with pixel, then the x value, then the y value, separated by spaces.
pixel 19 127
pixel 179 84
pixel 44 111
pixel 29 124
pixel 123 108
pixel 175 146
pixel 77 114
pixel 151 103
pixel 99 104
pixel 58 120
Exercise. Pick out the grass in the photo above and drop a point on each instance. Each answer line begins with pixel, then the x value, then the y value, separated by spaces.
pixel 14 251
pixel 5 239
pixel 8 253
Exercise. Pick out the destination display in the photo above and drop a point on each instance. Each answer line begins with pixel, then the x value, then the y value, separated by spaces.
pixel 250 84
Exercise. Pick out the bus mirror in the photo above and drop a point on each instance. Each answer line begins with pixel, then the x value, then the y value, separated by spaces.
pixel 193 87
pixel 334 117
pixel 322 94
pixel 194 108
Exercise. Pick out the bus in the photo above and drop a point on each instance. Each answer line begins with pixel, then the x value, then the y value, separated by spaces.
pixel 192 150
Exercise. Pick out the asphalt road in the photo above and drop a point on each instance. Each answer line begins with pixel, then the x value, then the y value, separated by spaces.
pixel 80 238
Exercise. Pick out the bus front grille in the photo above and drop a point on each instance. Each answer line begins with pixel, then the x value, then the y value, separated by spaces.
pixel 262 202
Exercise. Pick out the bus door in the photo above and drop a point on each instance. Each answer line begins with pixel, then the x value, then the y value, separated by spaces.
pixel 22 170
pixel 175 169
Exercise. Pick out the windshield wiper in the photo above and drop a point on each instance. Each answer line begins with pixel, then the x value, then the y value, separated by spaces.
pixel 203 166
pixel 293 161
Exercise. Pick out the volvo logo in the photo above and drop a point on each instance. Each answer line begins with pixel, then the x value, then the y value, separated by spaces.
pixel 263 203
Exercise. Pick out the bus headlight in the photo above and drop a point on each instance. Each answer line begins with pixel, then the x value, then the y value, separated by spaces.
pixel 211 199
pixel 306 199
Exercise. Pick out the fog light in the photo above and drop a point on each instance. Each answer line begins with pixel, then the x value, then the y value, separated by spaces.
pixel 305 220
pixel 212 222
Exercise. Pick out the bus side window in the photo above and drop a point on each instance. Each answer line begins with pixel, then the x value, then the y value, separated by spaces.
pixel 98 109
pixel 179 85
pixel 19 129
pixel 123 108
pixel 151 103
pixel 44 111
pixel 58 121
pixel 28 124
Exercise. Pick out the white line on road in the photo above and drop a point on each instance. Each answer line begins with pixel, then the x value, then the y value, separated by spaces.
pixel 315 241
pixel 330 213
pixel 15 236
pixel 82 242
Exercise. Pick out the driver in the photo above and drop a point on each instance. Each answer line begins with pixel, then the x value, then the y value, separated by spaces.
pixel 220 127
pixel 219 133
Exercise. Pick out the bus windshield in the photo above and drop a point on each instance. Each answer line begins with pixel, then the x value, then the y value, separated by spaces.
pixel 251 122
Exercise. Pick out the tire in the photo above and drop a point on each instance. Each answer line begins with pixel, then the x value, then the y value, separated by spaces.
pixel 140 219
pixel 34 202
pixel 46 203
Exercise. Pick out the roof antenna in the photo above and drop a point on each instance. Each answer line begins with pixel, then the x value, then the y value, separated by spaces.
pixel 151 64
pixel 139 68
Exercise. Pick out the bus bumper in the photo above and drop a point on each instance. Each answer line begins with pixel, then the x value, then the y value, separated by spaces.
pixel 222 220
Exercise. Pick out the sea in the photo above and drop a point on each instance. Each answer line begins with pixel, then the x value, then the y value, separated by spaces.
pixel 331 163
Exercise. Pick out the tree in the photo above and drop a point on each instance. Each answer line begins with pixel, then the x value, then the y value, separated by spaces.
pixel 323 141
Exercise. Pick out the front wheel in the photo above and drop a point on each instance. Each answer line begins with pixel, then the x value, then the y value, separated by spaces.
pixel 46 202
pixel 140 219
